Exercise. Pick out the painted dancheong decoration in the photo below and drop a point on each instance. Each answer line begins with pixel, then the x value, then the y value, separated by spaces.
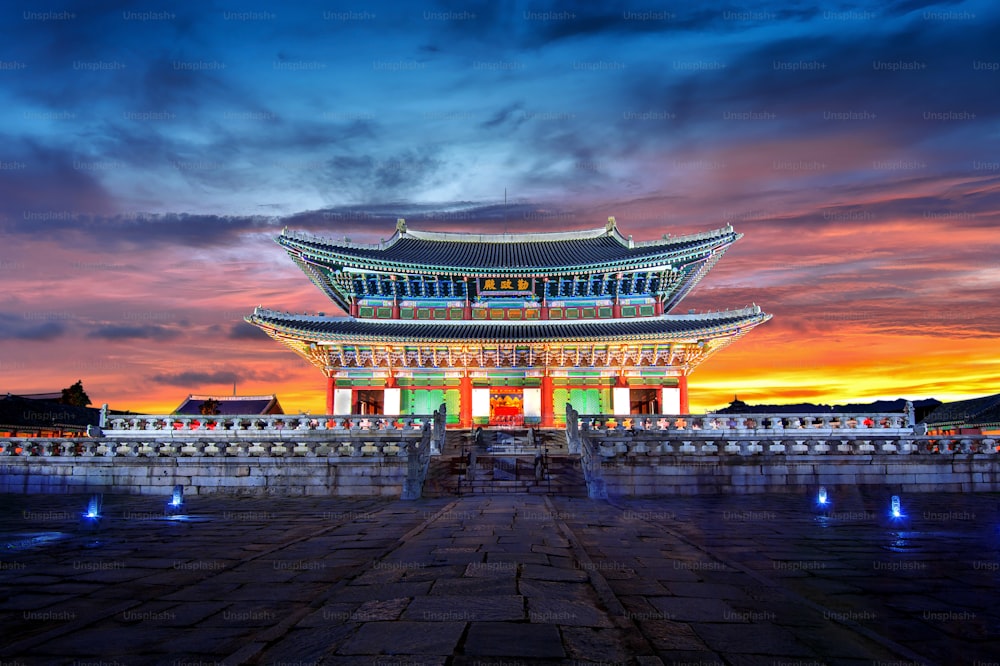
pixel 506 329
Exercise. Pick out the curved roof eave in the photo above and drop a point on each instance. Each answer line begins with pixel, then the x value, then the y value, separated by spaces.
pixel 316 250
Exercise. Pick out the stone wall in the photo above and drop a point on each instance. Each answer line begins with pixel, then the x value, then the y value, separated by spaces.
pixel 628 476
pixel 245 475
pixel 621 476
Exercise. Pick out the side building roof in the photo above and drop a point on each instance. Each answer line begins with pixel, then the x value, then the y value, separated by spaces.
pixel 975 412
pixel 231 405
pixel 29 413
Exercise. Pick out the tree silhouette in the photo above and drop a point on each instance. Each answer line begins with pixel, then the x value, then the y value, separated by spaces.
pixel 75 395
pixel 209 407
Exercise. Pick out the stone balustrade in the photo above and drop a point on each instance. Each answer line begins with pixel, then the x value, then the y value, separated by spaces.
pixel 765 434
pixel 169 435
pixel 361 436
pixel 281 426
pixel 350 456
pixel 667 455
pixel 746 424
pixel 610 445
pixel 369 445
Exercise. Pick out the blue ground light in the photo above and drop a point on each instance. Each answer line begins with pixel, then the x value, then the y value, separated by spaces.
pixel 895 510
pixel 93 508
pixel 176 503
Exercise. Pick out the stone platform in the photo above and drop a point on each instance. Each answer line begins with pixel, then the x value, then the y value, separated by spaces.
pixel 517 579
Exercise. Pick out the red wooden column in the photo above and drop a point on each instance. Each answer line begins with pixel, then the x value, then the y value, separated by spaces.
pixel 331 384
pixel 547 415
pixel 465 401
pixel 682 385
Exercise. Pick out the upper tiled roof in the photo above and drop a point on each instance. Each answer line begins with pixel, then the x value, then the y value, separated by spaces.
pixel 368 330
pixel 524 252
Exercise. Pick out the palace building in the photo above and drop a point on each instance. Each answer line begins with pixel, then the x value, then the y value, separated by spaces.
pixel 506 329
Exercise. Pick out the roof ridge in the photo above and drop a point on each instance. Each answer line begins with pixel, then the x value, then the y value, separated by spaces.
pixel 610 230
pixel 508 237
pixel 205 396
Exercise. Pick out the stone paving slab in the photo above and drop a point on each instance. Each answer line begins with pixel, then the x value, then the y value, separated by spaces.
pixel 510 639
pixel 516 579
pixel 466 608
pixel 405 637
pixel 834 586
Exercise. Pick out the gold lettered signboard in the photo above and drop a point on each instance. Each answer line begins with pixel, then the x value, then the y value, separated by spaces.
pixel 506 285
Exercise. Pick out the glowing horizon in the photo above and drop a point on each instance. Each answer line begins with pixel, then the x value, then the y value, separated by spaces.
pixel 148 163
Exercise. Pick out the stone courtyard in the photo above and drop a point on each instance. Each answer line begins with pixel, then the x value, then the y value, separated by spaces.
pixel 515 579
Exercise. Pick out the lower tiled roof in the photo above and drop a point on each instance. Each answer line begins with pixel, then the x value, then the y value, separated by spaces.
pixel 665 326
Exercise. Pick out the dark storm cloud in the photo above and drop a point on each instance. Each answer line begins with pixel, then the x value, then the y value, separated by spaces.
pixel 166 97
pixel 32 326
pixel 804 78
pixel 195 378
pixel 537 24
pixel 969 203
pixel 25 199
pixel 77 230
pixel 134 332
pixel 93 52
pixel 245 331
pixel 377 219
pixel 904 7
pixel 190 378
pixel 510 117
pixel 184 81
pixel 393 176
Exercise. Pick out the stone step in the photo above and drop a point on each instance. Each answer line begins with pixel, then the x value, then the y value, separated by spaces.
pixel 553 440
pixel 447 476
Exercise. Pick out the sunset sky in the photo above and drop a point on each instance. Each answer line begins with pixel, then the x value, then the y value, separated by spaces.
pixel 149 153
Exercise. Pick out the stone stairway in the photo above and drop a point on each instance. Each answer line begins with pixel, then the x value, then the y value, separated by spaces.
pixel 506 441
pixel 456 441
pixel 448 475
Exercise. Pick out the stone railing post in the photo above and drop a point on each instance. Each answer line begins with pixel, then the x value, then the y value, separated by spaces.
pixel 440 424
pixel 573 430
pixel 417 463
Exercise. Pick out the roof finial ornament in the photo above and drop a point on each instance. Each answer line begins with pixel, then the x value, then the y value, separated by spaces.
pixel 611 225
pixel 401 225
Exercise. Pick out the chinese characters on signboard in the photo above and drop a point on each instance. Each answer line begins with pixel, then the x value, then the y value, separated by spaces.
pixel 505 284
